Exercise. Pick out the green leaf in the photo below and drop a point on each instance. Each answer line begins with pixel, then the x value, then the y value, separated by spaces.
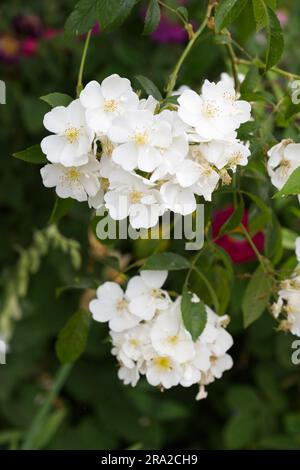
pixel 235 218
pixel 256 297
pixel 225 258
pixel 251 80
pixel 292 186
pixel 32 154
pixel 243 398
pixel 259 202
pixel 292 423
pixel 50 427
pixel 60 209
pixel 57 99
pixel 259 12
pixel 289 239
pixel 240 430
pixel 83 17
pixel 183 12
pixel 166 261
pixel 110 14
pixel 72 338
pixel 152 18
pixel 194 314
pixel 209 287
pixel 227 12
pixel 275 38
pixel 149 87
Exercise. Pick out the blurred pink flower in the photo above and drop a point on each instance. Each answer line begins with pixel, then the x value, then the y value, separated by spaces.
pixel 50 33
pixel 29 47
pixel 282 15
pixel 28 25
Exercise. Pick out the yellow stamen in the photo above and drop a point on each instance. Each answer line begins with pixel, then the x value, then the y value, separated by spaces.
pixel 140 138
pixel 110 106
pixel 72 134
pixel 135 197
pixel 104 182
pixel 72 175
pixel 122 304
pixel 162 363
pixel 173 340
pixel 210 109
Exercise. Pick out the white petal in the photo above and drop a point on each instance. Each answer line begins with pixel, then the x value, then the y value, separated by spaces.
pixel 91 96
pixel 100 312
pixel 56 119
pixel 114 86
pixel 51 174
pixel 136 287
pixel 149 158
pixel 154 279
pixel 98 120
pixel 126 156
pixel 52 146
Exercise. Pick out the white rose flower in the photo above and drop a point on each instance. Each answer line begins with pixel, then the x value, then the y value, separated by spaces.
pixel 221 153
pixel 145 294
pixel 73 139
pixel 178 149
pixel 284 158
pixel 177 198
pixel 141 135
pixel 215 113
pixel 78 182
pixel 114 97
pixel 219 364
pixel 201 178
pixel 163 371
pixel 170 338
pixel 111 305
pixel 135 197
pixel 129 376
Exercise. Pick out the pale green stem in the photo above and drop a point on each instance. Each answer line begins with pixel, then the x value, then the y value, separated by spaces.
pixel 38 422
pixel 277 70
pixel 82 63
pixel 232 59
pixel 173 77
pixel 253 246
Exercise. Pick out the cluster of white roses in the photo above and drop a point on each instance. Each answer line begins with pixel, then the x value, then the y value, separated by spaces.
pixel 138 158
pixel 283 160
pixel 287 307
pixel 149 337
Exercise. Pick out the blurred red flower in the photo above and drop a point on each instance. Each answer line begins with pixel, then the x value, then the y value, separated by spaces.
pixel 234 243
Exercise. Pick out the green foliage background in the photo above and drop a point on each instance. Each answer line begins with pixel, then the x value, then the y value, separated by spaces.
pixel 256 404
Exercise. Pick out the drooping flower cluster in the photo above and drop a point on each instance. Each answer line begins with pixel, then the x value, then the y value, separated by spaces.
pixel 141 159
pixel 284 158
pixel 149 338
pixel 287 307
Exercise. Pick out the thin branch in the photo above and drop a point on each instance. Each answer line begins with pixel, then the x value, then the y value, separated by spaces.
pixel 173 77
pixel 82 63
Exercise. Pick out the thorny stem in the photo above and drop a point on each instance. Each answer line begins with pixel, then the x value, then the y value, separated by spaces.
pixel 173 77
pixel 82 63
